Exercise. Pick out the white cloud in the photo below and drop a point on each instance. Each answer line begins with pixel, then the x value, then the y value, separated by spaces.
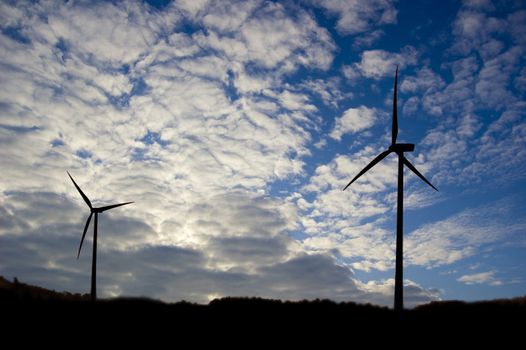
pixel 367 39
pixel 517 26
pixel 422 197
pixel 478 4
pixel 292 101
pixel 356 16
pixel 447 148
pixel 480 278
pixel 352 223
pixel 229 16
pixel 467 150
pixel 197 127
pixel 458 95
pixel 119 35
pixel 177 273
pixel 377 64
pixel 414 294
pixel 328 90
pixel 462 235
pixel 425 80
pixel 182 124
pixel 269 37
pixel 353 120
pixel 352 73
pixel 473 29
pixel 426 83
pixel 492 87
pixel 410 106
pixel 484 68
pixel 180 129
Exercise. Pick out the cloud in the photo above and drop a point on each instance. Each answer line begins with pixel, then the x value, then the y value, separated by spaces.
pixel 356 16
pixel 293 101
pixel 377 64
pixel 328 90
pixel 478 4
pixel 128 33
pixel 467 150
pixel 414 294
pixel 353 223
pixel 170 110
pixel 173 273
pixel 516 25
pixel 458 95
pixel 425 80
pixel 485 91
pixel 462 235
pixel 350 223
pixel 473 29
pixel 448 145
pixel 185 124
pixel 245 262
pixel 426 83
pixel 269 37
pixel 485 69
pixel 367 39
pixel 353 120
pixel 480 278
pixel 129 125
pixel 492 87
pixel 202 111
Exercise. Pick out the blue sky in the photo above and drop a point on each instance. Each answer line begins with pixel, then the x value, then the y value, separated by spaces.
pixel 234 125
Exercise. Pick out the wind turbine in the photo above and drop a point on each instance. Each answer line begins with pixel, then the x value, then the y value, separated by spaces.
pixel 399 149
pixel 95 211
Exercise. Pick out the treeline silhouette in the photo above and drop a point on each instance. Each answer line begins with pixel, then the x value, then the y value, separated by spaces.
pixel 41 309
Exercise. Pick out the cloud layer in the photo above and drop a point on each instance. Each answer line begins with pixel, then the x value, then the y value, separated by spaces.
pixel 209 116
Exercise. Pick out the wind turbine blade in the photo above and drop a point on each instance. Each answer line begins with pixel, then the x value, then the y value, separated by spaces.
pixel 101 209
pixel 80 191
pixel 84 233
pixel 395 110
pixel 369 166
pixel 413 169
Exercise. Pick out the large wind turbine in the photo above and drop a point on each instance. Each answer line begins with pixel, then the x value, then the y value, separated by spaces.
pixel 399 149
pixel 95 211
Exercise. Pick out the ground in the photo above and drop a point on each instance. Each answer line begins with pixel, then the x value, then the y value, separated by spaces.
pixel 37 309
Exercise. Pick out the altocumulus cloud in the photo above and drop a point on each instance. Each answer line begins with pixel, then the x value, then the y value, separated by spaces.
pixel 201 111
pixel 193 125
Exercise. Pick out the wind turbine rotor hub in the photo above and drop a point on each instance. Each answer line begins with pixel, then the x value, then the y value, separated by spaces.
pixel 402 147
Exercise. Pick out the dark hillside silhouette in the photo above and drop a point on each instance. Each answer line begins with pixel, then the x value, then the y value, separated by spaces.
pixel 39 308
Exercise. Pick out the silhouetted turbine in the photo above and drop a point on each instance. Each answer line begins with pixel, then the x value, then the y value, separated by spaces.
pixel 399 149
pixel 95 211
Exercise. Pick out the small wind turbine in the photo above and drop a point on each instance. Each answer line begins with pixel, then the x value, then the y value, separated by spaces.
pixel 95 211
pixel 399 149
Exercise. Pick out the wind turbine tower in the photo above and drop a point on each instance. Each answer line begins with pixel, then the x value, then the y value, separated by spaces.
pixel 95 211
pixel 399 149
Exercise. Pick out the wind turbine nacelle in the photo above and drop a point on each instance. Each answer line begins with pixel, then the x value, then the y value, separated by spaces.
pixel 402 147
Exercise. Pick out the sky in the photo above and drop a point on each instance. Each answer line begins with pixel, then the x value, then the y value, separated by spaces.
pixel 234 126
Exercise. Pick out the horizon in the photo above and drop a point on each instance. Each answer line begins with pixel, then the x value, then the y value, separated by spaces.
pixel 234 126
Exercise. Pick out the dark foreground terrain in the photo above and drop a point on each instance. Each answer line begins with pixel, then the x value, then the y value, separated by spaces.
pixel 32 308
